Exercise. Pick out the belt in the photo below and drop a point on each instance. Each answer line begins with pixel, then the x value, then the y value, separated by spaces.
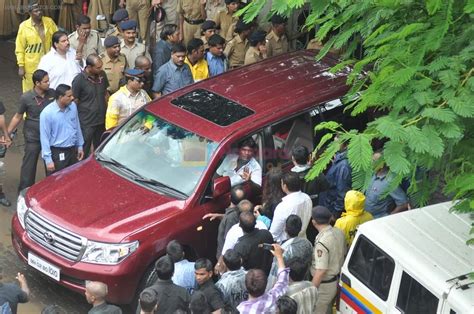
pixel 63 148
pixel 331 280
pixel 194 22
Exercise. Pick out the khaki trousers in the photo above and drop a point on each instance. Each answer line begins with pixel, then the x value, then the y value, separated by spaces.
pixel 189 32
pixel 138 10
pixel 326 294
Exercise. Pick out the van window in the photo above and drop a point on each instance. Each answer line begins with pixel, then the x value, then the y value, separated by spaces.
pixel 414 298
pixel 372 266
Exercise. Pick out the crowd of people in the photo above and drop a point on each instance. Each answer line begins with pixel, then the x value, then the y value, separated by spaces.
pixel 281 256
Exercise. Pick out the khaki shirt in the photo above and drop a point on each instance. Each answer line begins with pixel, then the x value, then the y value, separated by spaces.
pixel 93 43
pixel 224 20
pixel 235 51
pixel 113 32
pixel 276 45
pixel 190 9
pixel 253 55
pixel 329 251
pixel 131 53
pixel 206 44
pixel 114 70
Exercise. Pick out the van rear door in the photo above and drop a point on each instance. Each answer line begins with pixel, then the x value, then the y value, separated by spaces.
pixel 366 279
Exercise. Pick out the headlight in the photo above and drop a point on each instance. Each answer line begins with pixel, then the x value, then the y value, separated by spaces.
pixel 21 209
pixel 108 253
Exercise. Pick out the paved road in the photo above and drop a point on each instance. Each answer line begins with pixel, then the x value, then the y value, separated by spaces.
pixel 43 291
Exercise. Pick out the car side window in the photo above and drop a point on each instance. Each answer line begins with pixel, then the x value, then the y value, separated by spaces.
pixel 288 134
pixel 372 266
pixel 414 298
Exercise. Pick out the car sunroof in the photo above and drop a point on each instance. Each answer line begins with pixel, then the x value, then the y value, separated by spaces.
pixel 212 107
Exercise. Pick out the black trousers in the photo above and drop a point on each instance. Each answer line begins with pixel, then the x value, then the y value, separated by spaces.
pixel 92 135
pixel 29 163
pixel 63 161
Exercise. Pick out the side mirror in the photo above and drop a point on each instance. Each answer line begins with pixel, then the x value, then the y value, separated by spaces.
pixel 220 186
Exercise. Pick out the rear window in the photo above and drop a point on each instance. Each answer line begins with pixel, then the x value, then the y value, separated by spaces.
pixel 414 298
pixel 372 266
pixel 212 107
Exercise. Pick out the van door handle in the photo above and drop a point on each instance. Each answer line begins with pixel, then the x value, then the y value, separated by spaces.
pixel 345 279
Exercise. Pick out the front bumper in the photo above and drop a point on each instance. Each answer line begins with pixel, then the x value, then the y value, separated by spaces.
pixel 122 279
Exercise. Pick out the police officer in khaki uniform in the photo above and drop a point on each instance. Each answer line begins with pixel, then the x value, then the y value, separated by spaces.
pixel 236 48
pixel 119 16
pixel 277 42
pixel 226 18
pixel 129 45
pixel 257 49
pixel 329 251
pixel 192 13
pixel 115 63
pixel 85 40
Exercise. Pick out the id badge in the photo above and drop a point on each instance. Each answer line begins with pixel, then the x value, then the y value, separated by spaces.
pixel 62 157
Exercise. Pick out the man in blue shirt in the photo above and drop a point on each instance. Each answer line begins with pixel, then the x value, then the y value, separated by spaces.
pixel 339 178
pixel 60 132
pixel 174 74
pixel 382 198
pixel 215 57
pixel 183 269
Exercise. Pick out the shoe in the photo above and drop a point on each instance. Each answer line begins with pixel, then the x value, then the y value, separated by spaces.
pixel 5 202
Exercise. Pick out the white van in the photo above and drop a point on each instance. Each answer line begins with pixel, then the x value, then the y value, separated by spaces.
pixel 412 262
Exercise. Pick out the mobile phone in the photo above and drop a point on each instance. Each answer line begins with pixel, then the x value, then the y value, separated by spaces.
pixel 267 246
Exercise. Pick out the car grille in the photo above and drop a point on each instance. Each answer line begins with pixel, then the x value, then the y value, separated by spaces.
pixel 54 238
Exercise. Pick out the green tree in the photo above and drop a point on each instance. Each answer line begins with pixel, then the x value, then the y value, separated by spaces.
pixel 416 70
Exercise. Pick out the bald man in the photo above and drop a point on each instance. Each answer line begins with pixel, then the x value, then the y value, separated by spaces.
pixel 96 292
pixel 144 63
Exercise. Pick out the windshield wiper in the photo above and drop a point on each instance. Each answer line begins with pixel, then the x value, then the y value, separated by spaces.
pixel 153 182
pixel 136 176
pixel 103 158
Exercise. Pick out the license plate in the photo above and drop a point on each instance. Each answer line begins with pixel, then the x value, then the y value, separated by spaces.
pixel 43 266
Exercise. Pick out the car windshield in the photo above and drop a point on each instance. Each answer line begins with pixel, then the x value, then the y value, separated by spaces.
pixel 159 154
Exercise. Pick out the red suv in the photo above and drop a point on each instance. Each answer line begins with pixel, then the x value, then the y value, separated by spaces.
pixel 110 217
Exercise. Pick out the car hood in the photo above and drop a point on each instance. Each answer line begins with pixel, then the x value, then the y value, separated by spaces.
pixel 91 200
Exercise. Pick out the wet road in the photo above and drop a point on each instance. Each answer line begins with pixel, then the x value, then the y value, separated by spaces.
pixel 43 291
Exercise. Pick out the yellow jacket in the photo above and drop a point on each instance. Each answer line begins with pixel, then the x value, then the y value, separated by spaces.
pixel 353 216
pixel 28 47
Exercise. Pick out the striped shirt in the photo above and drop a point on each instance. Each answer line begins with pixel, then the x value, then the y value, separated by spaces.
pixel 266 303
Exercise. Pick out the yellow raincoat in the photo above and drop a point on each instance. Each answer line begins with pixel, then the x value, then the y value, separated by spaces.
pixel 353 216
pixel 29 48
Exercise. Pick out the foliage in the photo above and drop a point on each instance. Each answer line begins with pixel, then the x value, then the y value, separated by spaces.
pixel 416 75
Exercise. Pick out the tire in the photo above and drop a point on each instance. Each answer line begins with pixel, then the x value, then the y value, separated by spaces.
pixel 148 279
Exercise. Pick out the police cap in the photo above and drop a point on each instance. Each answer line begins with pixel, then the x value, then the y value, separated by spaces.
pixel 134 72
pixel 127 25
pixel 111 41
pixel 120 15
pixel 321 214
pixel 207 25
pixel 241 26
pixel 278 19
pixel 256 37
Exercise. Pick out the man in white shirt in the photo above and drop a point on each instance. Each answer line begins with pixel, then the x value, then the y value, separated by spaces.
pixel 242 167
pixel 60 62
pixel 295 202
